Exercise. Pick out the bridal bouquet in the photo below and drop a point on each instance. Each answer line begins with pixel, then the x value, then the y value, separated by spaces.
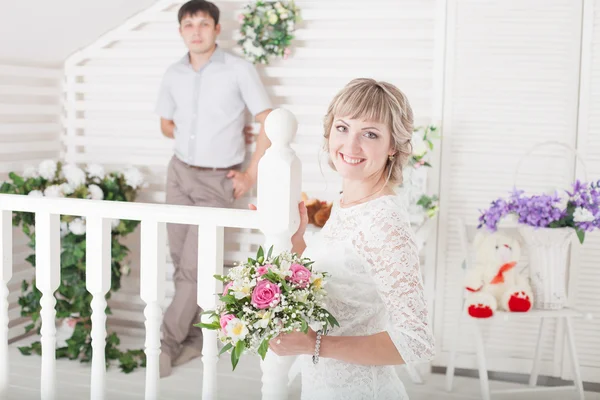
pixel 265 297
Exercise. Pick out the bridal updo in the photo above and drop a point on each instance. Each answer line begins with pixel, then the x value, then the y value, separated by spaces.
pixel 377 101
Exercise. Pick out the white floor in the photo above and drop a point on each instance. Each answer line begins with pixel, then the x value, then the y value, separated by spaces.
pixel 185 383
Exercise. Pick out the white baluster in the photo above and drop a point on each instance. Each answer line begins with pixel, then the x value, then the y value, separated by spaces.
pixel 47 276
pixel 210 262
pixel 279 190
pixel 98 279
pixel 6 274
pixel 152 281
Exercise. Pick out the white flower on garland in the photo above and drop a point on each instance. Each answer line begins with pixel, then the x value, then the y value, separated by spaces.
pixel 115 223
pixel 95 172
pixel 133 177
pixel 30 172
pixel 54 191
pixel 47 169
pixel 74 175
pixel 95 193
pixel 36 193
pixel 67 189
pixel 64 229
pixel 267 30
pixel 77 226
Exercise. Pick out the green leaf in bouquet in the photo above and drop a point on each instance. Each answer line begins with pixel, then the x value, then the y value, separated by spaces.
pixel 213 327
pixel 228 299
pixel 220 278
pixel 260 253
pixel 331 319
pixel 226 348
pixel 580 235
pixel 263 348
pixel 304 327
pixel 239 348
pixel 237 353
pixel 270 252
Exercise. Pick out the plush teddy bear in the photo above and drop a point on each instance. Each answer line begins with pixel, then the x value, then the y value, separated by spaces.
pixel 494 282
pixel 318 211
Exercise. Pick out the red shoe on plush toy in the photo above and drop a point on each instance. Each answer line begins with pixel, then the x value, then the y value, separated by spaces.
pixel 494 282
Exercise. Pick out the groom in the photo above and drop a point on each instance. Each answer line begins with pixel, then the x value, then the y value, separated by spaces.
pixel 202 103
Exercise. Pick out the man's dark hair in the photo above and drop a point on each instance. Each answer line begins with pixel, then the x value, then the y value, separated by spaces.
pixel 195 6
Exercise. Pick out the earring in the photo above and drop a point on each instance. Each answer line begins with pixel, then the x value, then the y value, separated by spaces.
pixel 391 157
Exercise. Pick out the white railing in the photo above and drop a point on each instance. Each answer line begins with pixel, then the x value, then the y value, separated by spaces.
pixel 279 181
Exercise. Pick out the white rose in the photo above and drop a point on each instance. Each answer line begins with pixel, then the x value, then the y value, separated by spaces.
pixel 125 270
pixel 53 191
pixel 64 229
pixel 96 171
pixel 36 193
pixel 133 177
pixel 67 189
pixel 47 169
pixel 74 175
pixel 95 193
pixel 77 226
pixel 114 223
pixel 30 172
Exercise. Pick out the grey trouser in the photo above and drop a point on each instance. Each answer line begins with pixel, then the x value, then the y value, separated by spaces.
pixel 190 186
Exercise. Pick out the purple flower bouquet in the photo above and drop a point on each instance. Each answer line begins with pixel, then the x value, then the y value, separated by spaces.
pixel 578 209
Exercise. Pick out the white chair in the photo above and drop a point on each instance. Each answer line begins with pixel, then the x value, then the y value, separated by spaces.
pixel 466 233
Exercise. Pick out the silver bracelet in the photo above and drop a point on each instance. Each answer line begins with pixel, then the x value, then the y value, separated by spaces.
pixel 315 357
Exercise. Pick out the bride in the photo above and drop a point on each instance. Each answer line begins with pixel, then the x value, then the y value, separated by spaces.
pixel 375 290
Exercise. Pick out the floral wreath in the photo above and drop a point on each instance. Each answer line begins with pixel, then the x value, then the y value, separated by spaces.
pixel 267 30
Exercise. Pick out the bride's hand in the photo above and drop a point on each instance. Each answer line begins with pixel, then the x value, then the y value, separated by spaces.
pixel 299 235
pixel 294 343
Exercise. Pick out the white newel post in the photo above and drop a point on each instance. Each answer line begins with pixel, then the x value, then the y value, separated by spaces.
pixel 152 292
pixel 6 271
pixel 98 279
pixel 279 192
pixel 47 276
pixel 210 262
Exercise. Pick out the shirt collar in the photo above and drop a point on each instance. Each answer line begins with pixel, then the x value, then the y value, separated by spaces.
pixel 217 56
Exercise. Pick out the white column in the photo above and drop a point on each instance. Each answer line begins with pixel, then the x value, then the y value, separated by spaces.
pixel 5 275
pixel 98 280
pixel 152 281
pixel 279 190
pixel 210 262
pixel 47 276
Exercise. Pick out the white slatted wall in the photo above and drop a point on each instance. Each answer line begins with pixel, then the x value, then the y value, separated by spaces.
pixel 512 80
pixel 29 133
pixel 117 83
pixel 587 276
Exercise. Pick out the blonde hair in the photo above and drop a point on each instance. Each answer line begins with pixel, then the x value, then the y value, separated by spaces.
pixel 381 102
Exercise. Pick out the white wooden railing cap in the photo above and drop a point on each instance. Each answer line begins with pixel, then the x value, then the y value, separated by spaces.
pixel 280 127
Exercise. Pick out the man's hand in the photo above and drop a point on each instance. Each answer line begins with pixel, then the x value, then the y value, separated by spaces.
pixel 248 135
pixel 242 182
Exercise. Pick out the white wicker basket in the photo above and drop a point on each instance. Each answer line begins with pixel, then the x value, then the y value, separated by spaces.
pixel 548 250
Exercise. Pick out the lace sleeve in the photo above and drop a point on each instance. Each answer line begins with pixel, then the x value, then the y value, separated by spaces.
pixel 387 246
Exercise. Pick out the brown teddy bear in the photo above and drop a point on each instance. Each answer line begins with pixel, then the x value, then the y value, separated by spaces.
pixel 318 211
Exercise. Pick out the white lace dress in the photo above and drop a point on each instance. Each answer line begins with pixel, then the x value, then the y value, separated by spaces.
pixel 375 286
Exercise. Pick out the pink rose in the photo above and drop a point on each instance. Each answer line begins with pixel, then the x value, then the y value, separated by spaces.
pixel 230 284
pixel 264 294
pixel 300 275
pixel 263 270
pixel 225 318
